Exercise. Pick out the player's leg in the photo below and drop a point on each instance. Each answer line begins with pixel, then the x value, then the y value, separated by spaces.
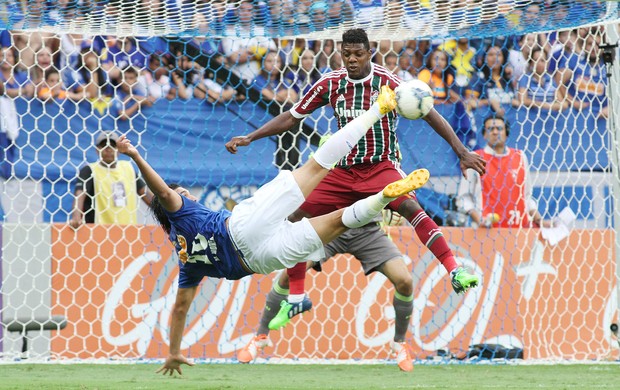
pixel 290 308
pixel 398 273
pixel 340 144
pixel 377 252
pixel 269 201
pixel 362 212
pixel 302 240
pixel 273 302
pixel 311 173
pixel 431 236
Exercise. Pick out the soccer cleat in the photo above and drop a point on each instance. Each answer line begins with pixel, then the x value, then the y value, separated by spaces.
pixel 415 180
pixel 250 351
pixel 463 280
pixel 403 356
pixel 386 100
pixel 288 311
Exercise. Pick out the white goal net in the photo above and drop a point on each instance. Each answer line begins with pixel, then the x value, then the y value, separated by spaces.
pixel 182 77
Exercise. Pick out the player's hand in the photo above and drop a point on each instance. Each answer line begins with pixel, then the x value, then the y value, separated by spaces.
pixel 232 145
pixel 76 222
pixel 172 364
pixel 124 146
pixel 474 161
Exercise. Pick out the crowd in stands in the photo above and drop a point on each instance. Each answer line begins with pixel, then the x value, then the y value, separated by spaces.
pixel 121 76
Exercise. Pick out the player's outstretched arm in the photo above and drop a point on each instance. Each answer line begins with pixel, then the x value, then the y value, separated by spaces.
pixel 468 159
pixel 277 125
pixel 168 198
pixel 175 359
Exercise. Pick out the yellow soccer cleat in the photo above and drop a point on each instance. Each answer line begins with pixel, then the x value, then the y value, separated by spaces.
pixel 415 180
pixel 386 100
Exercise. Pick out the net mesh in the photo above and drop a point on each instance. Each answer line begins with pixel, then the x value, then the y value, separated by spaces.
pixel 401 19
pixel 182 78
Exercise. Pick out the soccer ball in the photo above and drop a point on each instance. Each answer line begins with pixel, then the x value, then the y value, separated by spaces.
pixel 414 99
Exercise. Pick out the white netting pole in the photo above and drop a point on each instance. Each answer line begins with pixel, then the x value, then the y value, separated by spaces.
pixel 613 127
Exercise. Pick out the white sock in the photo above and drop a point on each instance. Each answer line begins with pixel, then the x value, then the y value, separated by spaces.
pixel 295 298
pixel 345 139
pixel 365 210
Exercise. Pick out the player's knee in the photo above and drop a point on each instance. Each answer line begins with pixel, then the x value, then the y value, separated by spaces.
pixel 283 281
pixel 298 215
pixel 409 208
pixel 404 284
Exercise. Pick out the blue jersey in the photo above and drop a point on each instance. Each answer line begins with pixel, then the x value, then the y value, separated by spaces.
pixel 203 244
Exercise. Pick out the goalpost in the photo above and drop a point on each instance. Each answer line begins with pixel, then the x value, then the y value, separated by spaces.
pixel 105 291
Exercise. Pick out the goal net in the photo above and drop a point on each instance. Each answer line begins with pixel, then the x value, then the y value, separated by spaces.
pixel 181 78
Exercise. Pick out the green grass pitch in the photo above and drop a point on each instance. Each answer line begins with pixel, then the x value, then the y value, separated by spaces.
pixel 332 376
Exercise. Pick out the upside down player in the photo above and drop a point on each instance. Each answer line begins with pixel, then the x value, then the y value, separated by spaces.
pixel 255 237
pixel 376 252
pixel 372 163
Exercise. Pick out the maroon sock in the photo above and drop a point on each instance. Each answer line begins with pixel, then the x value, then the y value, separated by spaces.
pixel 297 277
pixel 429 233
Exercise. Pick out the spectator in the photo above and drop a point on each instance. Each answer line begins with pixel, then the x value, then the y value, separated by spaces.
pixel 119 53
pixel 462 60
pixel 28 43
pixel 208 46
pixel 53 88
pixel 105 191
pixel 339 11
pixel 184 78
pixel 438 76
pixel 307 74
pixel 493 87
pixel 416 54
pixel 213 12
pixel 281 16
pixel 405 63
pixel 391 63
pixel 215 92
pixel 324 50
pixel 335 62
pixel 43 62
pixel 502 197
pixel 244 52
pixel 537 88
pixel 561 50
pixel 90 78
pixel 589 80
pixel 368 14
pixel 13 83
pixel 5 38
pixel 318 16
pixel 154 80
pixel 567 63
pixel 270 82
pixel 518 57
pixel 128 99
pixel 72 44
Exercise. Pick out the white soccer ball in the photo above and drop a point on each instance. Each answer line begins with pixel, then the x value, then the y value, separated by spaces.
pixel 414 99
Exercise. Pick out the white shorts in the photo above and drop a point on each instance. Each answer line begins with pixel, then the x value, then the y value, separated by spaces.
pixel 268 241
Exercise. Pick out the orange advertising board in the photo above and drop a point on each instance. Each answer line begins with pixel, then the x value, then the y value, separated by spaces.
pixel 116 286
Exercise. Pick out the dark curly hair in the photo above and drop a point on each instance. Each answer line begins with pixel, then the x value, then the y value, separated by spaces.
pixel 159 213
pixel 356 35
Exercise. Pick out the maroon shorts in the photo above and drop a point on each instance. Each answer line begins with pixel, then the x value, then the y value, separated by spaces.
pixel 344 186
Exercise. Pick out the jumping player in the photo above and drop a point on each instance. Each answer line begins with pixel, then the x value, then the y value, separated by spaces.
pixel 371 164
